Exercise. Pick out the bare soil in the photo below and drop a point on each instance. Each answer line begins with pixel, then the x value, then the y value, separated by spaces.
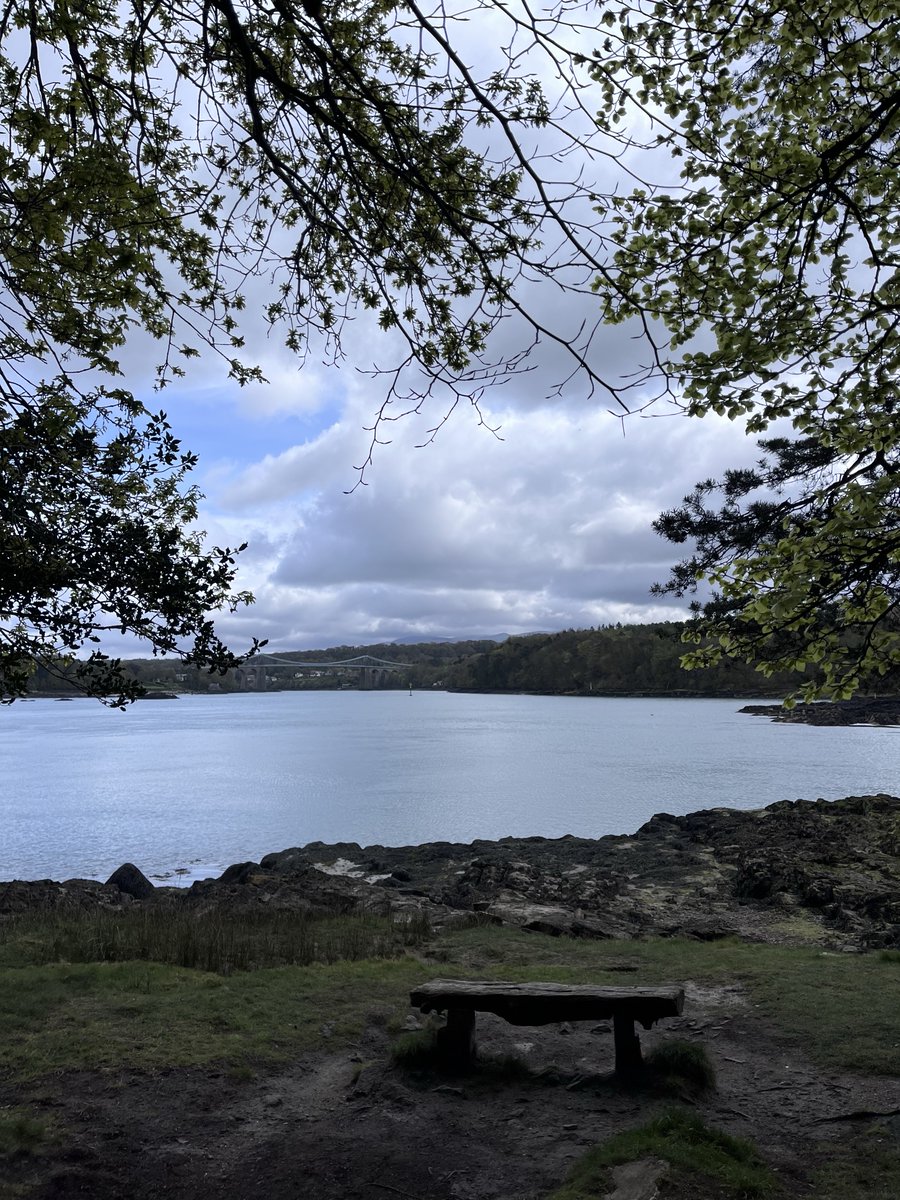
pixel 353 1126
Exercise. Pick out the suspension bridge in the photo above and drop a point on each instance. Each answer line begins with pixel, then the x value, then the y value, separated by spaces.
pixel 372 671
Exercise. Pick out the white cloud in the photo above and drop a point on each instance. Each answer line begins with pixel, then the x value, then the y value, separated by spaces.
pixel 548 528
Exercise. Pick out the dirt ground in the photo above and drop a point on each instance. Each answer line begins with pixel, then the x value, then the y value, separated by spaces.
pixel 352 1126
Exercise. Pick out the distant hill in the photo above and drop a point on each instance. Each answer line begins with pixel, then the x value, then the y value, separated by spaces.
pixel 623 660
pixel 416 639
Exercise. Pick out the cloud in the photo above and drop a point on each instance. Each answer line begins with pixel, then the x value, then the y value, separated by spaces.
pixel 548 528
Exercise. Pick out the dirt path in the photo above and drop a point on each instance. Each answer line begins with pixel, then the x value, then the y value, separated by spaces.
pixel 350 1126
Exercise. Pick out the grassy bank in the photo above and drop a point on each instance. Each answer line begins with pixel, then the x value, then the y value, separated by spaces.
pixel 101 992
pixel 89 991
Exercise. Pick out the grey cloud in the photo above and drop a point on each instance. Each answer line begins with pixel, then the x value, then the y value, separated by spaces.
pixel 548 529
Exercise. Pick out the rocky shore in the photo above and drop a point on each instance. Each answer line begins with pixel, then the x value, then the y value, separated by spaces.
pixel 816 871
pixel 862 710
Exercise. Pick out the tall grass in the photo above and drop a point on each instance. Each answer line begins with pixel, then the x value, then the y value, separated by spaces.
pixel 682 1064
pixel 216 940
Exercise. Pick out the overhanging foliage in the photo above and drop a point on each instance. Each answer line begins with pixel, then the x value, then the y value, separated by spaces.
pixel 773 266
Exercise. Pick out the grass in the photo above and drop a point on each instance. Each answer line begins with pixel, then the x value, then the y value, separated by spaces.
pixel 417 1051
pixel 868 1168
pixel 700 1158
pixel 680 1064
pixel 61 1010
pixel 144 1013
pixel 215 940
pixel 20 1133
pixel 169 987
pixel 96 1015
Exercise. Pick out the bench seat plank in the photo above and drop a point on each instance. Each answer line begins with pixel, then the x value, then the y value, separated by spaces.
pixel 546 1003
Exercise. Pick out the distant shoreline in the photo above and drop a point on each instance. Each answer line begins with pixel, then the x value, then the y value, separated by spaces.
pixel 599 694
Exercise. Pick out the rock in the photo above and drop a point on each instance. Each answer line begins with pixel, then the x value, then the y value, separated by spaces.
pixel 586 926
pixel 659 822
pixel 861 710
pixel 828 865
pixel 882 939
pixel 132 882
pixel 86 893
pixel 761 875
pixel 637 1180
pixel 540 918
pixel 41 895
pixel 239 872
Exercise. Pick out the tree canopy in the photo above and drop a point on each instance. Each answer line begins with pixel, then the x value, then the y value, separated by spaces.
pixel 772 265
pixel 157 159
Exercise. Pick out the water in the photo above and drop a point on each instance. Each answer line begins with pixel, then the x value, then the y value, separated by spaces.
pixel 194 784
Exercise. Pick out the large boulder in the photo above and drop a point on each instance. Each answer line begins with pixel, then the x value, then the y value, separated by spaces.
pixel 132 882
pixel 547 918
pixel 239 872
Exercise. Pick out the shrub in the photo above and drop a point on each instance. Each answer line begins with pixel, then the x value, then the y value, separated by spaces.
pixel 417 1050
pixel 683 1063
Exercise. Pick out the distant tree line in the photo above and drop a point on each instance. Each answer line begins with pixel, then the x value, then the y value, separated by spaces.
pixel 613 660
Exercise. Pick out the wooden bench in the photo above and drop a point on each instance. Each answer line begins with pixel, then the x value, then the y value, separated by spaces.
pixel 544 1004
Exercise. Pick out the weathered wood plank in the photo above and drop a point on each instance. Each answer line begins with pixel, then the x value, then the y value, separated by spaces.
pixel 546 1003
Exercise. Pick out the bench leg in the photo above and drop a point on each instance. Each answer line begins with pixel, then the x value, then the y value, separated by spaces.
pixel 628 1046
pixel 456 1040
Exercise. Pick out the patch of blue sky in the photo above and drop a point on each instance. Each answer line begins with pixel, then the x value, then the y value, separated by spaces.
pixel 220 425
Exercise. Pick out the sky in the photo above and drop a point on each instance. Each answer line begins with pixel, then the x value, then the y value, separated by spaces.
pixel 544 525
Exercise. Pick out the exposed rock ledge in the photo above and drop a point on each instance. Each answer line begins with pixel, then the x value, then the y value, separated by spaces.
pixel 807 870
pixel 862 710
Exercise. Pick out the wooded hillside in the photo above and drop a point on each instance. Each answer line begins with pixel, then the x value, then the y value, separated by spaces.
pixel 612 660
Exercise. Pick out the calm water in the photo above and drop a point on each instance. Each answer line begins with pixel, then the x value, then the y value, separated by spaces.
pixel 197 783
